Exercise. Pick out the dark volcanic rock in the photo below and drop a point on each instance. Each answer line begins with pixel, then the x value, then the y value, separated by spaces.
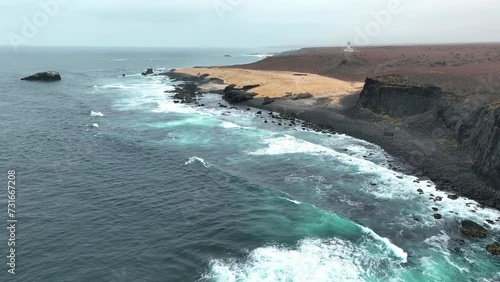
pixel 237 96
pixel 267 101
pixel 44 76
pixel 148 72
pixel 473 229
pixel 494 249
pixel 176 76
pixel 389 133
pixel 186 92
pixel 481 136
pixel 230 87
pixel 451 124
pixel 248 87
pixel 302 96
pixel 393 97
pixel 438 216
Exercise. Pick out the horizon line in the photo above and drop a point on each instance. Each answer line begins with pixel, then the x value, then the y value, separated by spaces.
pixel 254 47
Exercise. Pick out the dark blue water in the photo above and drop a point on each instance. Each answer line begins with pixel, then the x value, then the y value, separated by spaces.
pixel 116 182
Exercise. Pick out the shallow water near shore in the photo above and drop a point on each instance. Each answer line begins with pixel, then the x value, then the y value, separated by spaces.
pixel 161 191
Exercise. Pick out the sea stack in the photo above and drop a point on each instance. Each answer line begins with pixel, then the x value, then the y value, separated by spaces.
pixel 148 72
pixel 44 76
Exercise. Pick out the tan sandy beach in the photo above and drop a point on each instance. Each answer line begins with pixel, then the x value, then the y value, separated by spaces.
pixel 276 84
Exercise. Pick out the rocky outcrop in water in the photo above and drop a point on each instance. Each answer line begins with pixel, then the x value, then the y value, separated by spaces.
pixel 473 229
pixel 494 249
pixel 148 72
pixel 44 76
pixel 186 92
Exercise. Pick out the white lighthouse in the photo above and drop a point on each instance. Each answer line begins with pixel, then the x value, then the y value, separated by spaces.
pixel 349 48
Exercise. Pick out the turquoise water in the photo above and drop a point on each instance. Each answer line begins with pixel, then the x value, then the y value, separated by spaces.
pixel 167 192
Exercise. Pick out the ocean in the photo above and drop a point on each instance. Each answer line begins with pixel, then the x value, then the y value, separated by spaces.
pixel 116 182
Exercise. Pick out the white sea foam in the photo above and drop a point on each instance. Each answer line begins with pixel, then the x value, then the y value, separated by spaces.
pixel 289 145
pixel 292 201
pixel 200 160
pixel 96 114
pixel 312 260
pixel 440 243
pixel 118 86
pixel 395 249
pixel 319 179
pixel 227 124
pixel 171 107
pixel 384 183
pixel 95 125
pixel 147 94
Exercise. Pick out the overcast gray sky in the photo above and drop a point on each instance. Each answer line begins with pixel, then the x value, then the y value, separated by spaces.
pixel 245 23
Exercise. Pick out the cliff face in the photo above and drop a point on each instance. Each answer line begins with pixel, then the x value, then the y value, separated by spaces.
pixel 477 129
pixel 480 135
pixel 395 99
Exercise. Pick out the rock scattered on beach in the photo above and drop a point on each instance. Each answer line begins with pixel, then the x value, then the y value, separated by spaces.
pixel 473 229
pixel 237 95
pixel 267 101
pixel 251 86
pixel 300 96
pixel 44 76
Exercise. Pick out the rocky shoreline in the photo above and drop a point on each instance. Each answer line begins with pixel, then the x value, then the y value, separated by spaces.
pixel 409 126
pixel 423 147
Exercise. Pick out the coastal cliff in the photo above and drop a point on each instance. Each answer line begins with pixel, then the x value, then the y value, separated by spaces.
pixel 480 135
pixel 391 96
pixel 476 131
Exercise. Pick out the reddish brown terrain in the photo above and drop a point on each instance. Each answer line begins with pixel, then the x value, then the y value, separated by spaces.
pixel 460 69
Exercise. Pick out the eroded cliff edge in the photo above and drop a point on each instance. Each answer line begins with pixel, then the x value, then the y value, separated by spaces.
pixel 473 130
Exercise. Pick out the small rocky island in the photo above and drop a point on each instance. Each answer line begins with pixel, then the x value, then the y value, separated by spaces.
pixel 148 72
pixel 44 76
